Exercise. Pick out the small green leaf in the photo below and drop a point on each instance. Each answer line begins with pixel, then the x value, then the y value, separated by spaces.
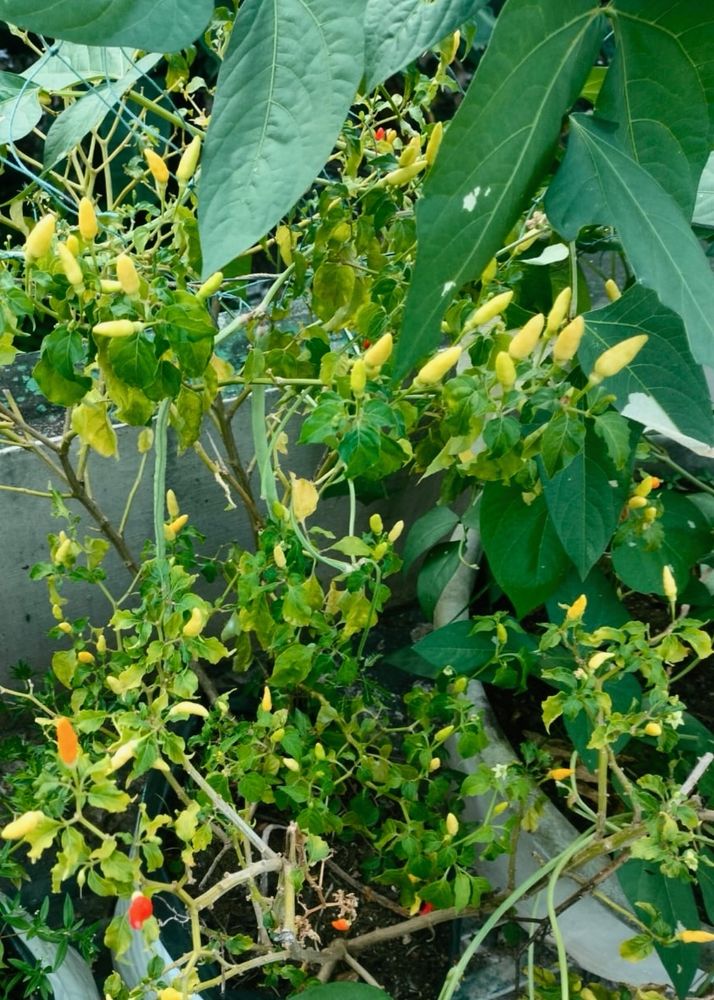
pixel 20 108
pixel 133 359
pixel 437 569
pixel 350 545
pixel 615 432
pixel 552 709
pixel 292 666
pixel 56 387
pixel 426 531
pixel 563 439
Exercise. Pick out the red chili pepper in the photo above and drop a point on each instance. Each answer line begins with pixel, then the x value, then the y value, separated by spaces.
pixel 426 908
pixel 379 134
pixel 140 909
pixel 366 343
pixel 341 924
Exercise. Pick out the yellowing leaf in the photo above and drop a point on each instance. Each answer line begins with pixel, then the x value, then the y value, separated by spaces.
pixel 90 420
pixel 304 498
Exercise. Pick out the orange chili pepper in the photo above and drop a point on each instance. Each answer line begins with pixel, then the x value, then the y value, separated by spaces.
pixel 67 742
pixel 140 909
pixel 341 924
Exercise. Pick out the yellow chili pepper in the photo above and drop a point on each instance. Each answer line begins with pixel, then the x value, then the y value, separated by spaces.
pixel 618 357
pixel 266 702
pixel 443 734
pixel 72 244
pixel 634 503
pixel 489 272
pixel 122 755
pixel 650 514
pixel 194 626
pixel 410 152
pixel 695 937
pixel 434 764
pixel 291 764
pixel 39 240
pixel 568 341
pixel 169 993
pixel 524 342
pixel 612 291
pixel 576 610
pixel 279 557
pixel 560 773
pixel 145 440
pixel 210 286
pixel 653 729
pixel 489 310
pixel 23 825
pixel 70 266
pixel 189 161
pixel 172 504
pixel 101 644
pixel 559 310
pixel 669 584
pixel 117 328
pixel 127 275
pixel 177 524
pixel 376 355
pixel 84 656
pixel 505 369
pixel 402 175
pixel 189 708
pixel 65 627
pixel 433 371
pixel 319 752
pixel 597 659
pixel 376 524
pixel 380 550
pixel 157 167
pixel 452 825
pixel 432 146
pixel 88 227
pixel 395 532
pixel 109 286
pixel 358 378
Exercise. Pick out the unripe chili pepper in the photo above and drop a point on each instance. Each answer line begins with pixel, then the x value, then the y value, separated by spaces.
pixel 378 353
pixel 375 524
pixel 67 742
pixel 433 371
pixel 395 532
pixel 70 266
pixel 145 440
pixel 597 659
pixel 266 702
pixel 653 729
pixel 88 227
pixel 72 244
pixel 380 550
pixel 443 734
pixel 650 514
pixel 402 175
pixel 459 685
pixel 117 328
pixel 358 378
pixel 189 708
pixel 644 488
pixel 410 152
pixel 669 584
pixel 618 357
pixel 489 310
pixel 695 937
pixel 23 825
pixel 39 239
pixel 612 291
pixel 524 342
pixel 560 773
pixel 169 994
pixel 63 553
pixel 451 48
pixel 140 909
pixel 84 656
pixel 432 146
pixel 559 310
pixel 210 286
pixel 172 504
pixel 319 751
pixel 127 275
pixel 434 764
pixel 284 243
pixel 279 557
pixel 291 764
pixel 505 369
pixel 576 610
pixel 489 272
pixel 634 503
pixel 189 161
pixel 277 735
pixel 157 166
pixel 452 824
pixel 568 341
pixel 125 753
pixel 501 632
pixel 101 644
pixel 109 286
pixel 194 626
pixel 57 613
pixel 341 924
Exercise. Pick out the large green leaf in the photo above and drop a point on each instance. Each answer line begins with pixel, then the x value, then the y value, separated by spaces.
pixel 133 359
pixel 161 25
pixel 704 205
pixel 494 153
pixel 598 182
pixel 20 108
pixel 522 546
pixel 87 113
pixel 656 90
pixel 585 500
pixel 426 531
pixel 603 607
pixel 65 63
pixel 663 376
pixel 673 901
pixel 284 90
pixel 397 31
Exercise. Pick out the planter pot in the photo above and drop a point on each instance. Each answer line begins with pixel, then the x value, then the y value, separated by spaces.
pixel 72 980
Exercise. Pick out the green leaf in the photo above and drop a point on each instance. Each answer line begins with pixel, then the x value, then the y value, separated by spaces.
pixel 292 666
pixel 426 531
pixel 106 795
pixel 64 350
pixel 599 183
pixel 351 545
pixel 585 501
pixel 603 608
pixel 663 386
pixel 438 568
pixel 494 153
pixel 673 901
pixel 615 433
pixel 563 439
pixel 56 387
pixel 398 31
pixel 89 111
pixel 332 289
pixel 704 205
pixel 65 63
pixel 686 538
pixel 462 891
pixel 341 991
pixel 522 546
pixel 284 90
pixel 666 129
pixel 20 108
pixel 162 25
pixel 133 360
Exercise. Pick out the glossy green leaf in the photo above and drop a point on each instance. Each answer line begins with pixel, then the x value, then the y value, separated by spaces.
pixel 426 531
pixel 656 90
pixel 599 183
pixel 639 562
pixel 456 645
pixel 674 903
pixel 89 111
pixel 161 25
pixel 563 439
pixel 663 376
pixel 133 359
pixel 522 546
pixel 603 607
pixel 284 90
pixel 59 388
pixel 438 568
pixel 20 109
pixel 397 31
pixel 64 350
pixel 585 501
pixel 66 63
pixel 704 205
pixel 341 991
pixel 493 154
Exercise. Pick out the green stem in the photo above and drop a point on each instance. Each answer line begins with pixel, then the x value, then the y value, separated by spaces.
pixel 169 116
pixel 246 317
pixel 553 918
pixel 664 457
pixel 268 490
pixel 160 444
